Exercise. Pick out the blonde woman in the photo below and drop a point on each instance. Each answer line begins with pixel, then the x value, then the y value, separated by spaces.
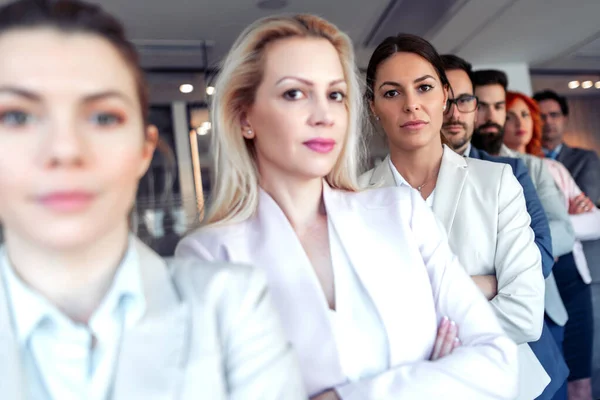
pixel 86 310
pixel 361 280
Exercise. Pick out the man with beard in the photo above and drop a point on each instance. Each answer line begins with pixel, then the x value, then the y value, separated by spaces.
pixel 458 126
pixel 490 88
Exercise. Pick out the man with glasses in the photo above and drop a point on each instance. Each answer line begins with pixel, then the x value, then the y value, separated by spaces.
pixel 458 128
pixel 584 165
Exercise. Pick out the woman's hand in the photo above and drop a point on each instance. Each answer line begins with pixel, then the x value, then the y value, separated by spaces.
pixel 488 284
pixel 446 340
pixel 580 204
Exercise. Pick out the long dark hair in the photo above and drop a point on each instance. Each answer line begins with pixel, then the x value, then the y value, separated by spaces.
pixel 405 43
pixel 73 16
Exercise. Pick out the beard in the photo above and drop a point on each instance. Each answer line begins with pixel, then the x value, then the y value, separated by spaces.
pixel 456 141
pixel 490 142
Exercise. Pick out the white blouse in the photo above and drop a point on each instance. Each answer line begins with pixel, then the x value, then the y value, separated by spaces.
pixel 362 352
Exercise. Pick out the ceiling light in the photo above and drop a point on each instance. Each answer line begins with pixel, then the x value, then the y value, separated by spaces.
pixel 271 4
pixel 573 84
pixel 204 128
pixel 186 88
pixel 210 90
pixel 587 84
pixel 597 85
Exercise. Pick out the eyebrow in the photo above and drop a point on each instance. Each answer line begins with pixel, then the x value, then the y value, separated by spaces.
pixel 396 84
pixel 307 82
pixel 483 103
pixel 32 96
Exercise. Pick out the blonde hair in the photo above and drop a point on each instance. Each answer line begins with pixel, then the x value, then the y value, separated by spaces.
pixel 236 190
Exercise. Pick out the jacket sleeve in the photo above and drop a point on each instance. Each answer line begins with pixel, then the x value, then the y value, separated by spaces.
pixel 258 360
pixel 563 237
pixel 519 304
pixel 484 367
pixel 539 221
pixel 589 178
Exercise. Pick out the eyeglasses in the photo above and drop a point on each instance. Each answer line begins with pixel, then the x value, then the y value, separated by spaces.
pixel 465 104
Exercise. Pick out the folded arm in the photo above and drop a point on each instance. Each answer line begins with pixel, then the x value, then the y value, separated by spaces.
pixel 483 367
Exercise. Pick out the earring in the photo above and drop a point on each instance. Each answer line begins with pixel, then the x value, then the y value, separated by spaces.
pixel 444 108
pixel 377 118
pixel 249 134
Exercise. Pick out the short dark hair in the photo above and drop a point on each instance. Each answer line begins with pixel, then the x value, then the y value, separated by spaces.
pixel 74 16
pixel 552 95
pixel 486 77
pixel 452 63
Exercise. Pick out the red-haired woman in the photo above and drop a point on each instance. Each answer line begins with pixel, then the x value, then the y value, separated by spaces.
pixel 523 133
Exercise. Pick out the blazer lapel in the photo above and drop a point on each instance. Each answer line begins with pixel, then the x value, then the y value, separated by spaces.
pixel 153 354
pixel 296 293
pixel 450 182
pixel 12 384
pixel 381 272
pixel 382 174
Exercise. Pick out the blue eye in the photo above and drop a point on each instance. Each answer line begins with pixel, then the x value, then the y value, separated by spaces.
pixel 105 119
pixel 16 118
pixel 293 94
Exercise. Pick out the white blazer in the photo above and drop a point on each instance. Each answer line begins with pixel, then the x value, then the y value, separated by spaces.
pixel 482 208
pixel 403 260
pixel 209 332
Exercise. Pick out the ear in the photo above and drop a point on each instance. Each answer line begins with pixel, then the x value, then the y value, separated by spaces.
pixel 150 141
pixel 446 90
pixel 372 107
pixel 246 126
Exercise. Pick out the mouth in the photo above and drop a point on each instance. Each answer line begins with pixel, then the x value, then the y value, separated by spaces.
pixel 66 201
pixel 414 125
pixel 320 145
pixel 454 128
pixel 521 132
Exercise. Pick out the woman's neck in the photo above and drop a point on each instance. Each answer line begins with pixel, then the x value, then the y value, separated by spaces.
pixel 520 149
pixel 418 167
pixel 300 200
pixel 74 280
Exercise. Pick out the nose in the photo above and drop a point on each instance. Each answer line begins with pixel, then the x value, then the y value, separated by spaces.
pixel 64 144
pixel 321 112
pixel 411 104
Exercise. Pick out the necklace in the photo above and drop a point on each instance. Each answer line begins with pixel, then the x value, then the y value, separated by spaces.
pixel 422 186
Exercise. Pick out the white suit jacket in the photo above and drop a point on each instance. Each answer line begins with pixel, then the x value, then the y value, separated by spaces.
pixel 209 332
pixel 403 260
pixel 481 206
pixel 561 229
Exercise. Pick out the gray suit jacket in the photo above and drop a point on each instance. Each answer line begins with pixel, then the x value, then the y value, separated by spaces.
pixel 209 332
pixel 584 166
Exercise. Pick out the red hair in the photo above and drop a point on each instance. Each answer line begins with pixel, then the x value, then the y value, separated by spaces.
pixel 534 146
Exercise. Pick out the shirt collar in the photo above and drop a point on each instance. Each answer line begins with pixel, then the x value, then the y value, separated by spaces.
pixel 467 150
pixel 30 309
pixel 506 152
pixel 400 181
pixel 553 153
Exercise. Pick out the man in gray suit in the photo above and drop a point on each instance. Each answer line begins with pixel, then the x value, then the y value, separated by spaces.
pixel 584 166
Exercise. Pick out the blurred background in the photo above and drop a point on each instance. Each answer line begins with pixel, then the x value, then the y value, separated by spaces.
pixel 541 44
